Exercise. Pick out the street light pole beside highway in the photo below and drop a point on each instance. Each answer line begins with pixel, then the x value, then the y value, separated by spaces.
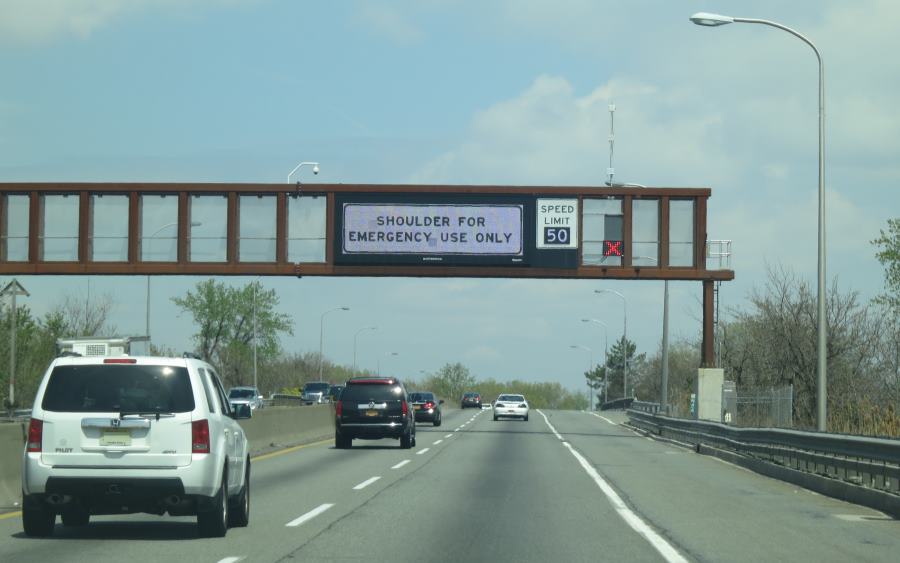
pixel 13 289
pixel 624 338
pixel 715 20
pixel 322 335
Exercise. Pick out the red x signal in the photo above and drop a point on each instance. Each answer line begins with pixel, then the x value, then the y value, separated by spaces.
pixel 612 248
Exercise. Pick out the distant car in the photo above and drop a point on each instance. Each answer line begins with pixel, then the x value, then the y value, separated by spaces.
pixel 371 408
pixel 511 406
pixel 315 392
pixel 245 396
pixel 470 399
pixel 426 407
pixel 334 392
pixel 141 434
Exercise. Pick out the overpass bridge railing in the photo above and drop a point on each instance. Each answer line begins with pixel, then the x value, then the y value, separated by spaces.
pixel 873 463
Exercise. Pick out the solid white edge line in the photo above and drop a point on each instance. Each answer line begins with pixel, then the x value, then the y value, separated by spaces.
pixel 231 559
pixel 448 435
pixel 604 418
pixel 366 483
pixel 658 542
pixel 558 435
pixel 401 464
pixel 438 442
pixel 309 515
pixel 422 451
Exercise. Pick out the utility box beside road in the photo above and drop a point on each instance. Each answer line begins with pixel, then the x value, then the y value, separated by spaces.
pixel 709 393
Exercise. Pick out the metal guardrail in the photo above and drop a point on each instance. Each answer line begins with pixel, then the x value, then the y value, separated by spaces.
pixel 651 408
pixel 872 462
pixel 617 404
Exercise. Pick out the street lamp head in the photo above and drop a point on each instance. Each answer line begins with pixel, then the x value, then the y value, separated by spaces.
pixel 711 20
pixel 316 168
pixel 345 308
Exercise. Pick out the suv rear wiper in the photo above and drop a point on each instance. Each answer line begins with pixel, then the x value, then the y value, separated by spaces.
pixel 156 413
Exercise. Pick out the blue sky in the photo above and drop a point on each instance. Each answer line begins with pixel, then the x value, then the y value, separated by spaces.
pixel 444 91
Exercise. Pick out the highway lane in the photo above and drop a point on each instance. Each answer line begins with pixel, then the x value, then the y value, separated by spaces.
pixel 715 511
pixel 480 490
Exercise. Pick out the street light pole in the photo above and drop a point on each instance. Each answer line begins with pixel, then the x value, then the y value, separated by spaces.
pixel 355 336
pixel 605 357
pixel 322 334
pixel 13 289
pixel 590 367
pixel 664 381
pixel 624 338
pixel 315 166
pixel 713 20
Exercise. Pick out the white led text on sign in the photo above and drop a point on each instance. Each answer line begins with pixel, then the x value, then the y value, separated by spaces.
pixel 474 230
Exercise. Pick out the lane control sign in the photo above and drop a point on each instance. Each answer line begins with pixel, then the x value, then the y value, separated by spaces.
pixel 557 223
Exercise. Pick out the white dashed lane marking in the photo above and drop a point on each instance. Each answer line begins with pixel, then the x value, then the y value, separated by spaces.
pixel 422 451
pixel 309 515
pixel 401 464
pixel 366 483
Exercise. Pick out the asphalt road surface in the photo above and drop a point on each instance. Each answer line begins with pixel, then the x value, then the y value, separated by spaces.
pixel 564 486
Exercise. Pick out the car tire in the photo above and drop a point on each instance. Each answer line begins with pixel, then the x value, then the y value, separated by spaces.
pixel 437 421
pixel 341 441
pixel 406 441
pixel 495 418
pixel 525 418
pixel 75 516
pixel 213 523
pixel 37 520
pixel 239 513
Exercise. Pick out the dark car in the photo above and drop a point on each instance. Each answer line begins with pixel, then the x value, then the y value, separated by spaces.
pixel 372 408
pixel 426 407
pixel 334 393
pixel 470 399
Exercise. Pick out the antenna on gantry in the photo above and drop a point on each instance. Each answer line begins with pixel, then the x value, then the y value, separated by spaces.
pixel 610 171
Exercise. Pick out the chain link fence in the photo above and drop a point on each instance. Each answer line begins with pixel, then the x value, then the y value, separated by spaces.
pixel 758 407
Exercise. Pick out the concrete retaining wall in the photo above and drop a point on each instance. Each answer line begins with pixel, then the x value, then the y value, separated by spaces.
pixel 269 429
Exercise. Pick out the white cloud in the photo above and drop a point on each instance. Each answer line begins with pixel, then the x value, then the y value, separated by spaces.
pixel 389 22
pixel 43 21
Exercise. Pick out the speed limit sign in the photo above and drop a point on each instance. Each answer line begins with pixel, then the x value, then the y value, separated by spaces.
pixel 557 223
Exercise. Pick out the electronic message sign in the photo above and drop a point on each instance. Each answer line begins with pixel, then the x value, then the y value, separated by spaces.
pixel 433 229
pixel 454 229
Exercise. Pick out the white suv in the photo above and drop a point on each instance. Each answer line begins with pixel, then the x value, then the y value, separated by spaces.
pixel 119 435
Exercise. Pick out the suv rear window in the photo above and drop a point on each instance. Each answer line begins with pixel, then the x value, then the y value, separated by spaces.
pixel 372 392
pixel 119 388
pixel 316 387
pixel 421 397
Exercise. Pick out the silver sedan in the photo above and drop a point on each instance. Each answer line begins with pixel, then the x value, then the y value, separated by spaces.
pixel 511 406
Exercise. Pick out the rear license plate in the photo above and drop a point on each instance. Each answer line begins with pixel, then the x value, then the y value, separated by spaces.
pixel 417 407
pixel 115 438
pixel 371 413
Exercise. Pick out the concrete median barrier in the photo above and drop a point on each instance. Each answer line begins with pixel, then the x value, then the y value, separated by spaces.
pixel 269 429
pixel 279 427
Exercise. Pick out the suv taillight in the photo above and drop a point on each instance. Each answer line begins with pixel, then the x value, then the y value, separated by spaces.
pixel 200 436
pixel 429 405
pixel 35 435
pixel 338 409
pixel 404 408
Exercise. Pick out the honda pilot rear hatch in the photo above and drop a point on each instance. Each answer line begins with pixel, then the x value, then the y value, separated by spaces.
pixel 117 415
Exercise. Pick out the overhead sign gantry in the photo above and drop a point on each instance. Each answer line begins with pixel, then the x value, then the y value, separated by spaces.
pixel 359 230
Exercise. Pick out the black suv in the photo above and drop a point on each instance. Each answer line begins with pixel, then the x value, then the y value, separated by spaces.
pixel 470 399
pixel 372 408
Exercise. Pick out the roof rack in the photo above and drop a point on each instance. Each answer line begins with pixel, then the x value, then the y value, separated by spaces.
pixel 68 354
pixel 191 355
